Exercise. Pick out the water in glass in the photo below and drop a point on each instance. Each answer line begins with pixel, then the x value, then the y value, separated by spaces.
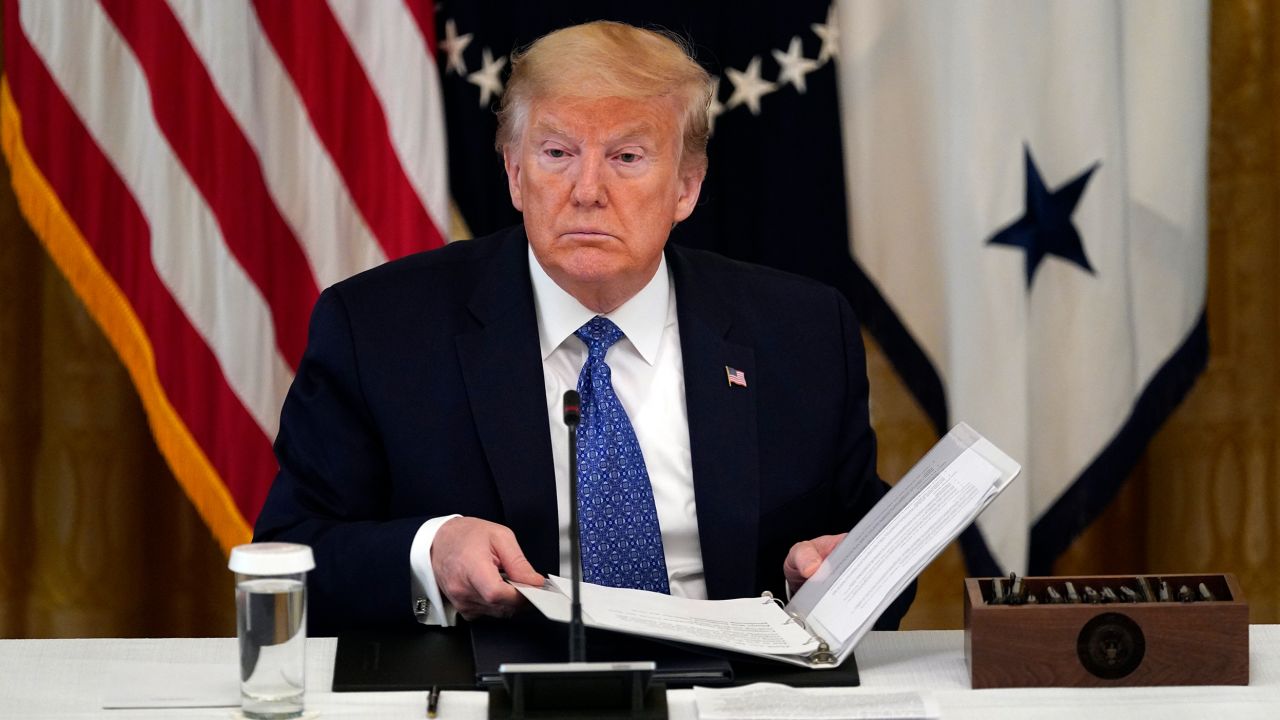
pixel 271 624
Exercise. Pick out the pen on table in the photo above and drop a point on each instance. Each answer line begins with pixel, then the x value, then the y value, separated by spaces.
pixel 433 701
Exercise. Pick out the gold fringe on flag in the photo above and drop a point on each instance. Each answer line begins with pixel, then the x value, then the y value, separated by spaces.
pixel 113 313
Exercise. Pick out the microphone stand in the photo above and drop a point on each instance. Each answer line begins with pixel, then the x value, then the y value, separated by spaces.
pixel 577 632
pixel 577 689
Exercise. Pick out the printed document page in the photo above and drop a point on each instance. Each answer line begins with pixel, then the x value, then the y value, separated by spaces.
pixel 902 534
pixel 755 626
pixel 770 701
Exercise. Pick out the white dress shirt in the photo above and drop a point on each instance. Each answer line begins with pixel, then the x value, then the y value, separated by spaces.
pixel 648 378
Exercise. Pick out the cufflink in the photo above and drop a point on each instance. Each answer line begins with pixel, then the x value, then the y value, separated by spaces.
pixel 422 609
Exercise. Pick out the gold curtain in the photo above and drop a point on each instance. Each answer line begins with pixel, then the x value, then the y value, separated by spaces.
pixel 96 538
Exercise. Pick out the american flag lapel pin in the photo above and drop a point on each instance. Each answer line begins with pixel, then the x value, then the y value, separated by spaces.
pixel 735 376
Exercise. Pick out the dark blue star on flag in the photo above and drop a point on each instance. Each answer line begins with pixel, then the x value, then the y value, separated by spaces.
pixel 1045 227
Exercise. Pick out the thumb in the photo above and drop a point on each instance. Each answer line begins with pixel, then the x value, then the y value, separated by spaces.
pixel 825 544
pixel 512 561
pixel 821 547
pixel 803 560
pixel 806 557
pixel 810 559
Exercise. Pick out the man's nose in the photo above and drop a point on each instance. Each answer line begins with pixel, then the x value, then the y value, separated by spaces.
pixel 588 188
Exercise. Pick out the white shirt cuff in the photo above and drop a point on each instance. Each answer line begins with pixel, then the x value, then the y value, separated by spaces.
pixel 428 604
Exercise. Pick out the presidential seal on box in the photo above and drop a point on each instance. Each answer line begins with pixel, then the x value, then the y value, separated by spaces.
pixel 1106 631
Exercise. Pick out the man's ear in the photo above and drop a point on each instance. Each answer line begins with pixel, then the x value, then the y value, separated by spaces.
pixel 689 188
pixel 511 161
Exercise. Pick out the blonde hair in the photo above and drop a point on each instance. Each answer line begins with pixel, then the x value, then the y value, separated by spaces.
pixel 609 59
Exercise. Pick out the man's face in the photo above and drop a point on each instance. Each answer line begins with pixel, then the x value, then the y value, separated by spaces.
pixel 600 184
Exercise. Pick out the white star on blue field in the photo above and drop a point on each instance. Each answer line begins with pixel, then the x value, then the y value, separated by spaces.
pixel 1045 227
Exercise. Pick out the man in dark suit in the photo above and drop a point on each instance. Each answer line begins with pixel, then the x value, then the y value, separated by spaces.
pixel 725 426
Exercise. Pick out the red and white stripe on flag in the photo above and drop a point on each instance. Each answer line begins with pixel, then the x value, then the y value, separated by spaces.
pixel 200 171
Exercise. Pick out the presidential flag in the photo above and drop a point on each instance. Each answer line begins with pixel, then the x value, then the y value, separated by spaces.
pixel 200 171
pixel 1027 203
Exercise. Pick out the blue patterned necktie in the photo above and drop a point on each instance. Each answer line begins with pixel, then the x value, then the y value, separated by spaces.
pixel 621 540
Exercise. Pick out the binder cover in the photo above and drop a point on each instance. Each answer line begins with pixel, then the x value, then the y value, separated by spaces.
pixel 385 661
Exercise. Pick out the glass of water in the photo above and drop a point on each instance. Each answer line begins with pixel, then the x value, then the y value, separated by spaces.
pixel 271 623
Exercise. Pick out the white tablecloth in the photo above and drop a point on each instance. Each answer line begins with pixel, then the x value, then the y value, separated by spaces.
pixel 71 678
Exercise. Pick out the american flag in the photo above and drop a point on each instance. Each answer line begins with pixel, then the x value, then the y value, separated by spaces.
pixel 199 171
pixel 736 376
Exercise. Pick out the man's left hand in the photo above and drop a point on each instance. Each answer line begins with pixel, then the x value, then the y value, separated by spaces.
pixel 805 557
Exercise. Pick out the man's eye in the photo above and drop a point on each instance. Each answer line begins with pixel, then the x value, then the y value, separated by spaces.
pixel 629 157
pixel 556 153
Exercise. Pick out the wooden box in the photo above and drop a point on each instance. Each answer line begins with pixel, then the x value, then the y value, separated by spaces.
pixel 1117 644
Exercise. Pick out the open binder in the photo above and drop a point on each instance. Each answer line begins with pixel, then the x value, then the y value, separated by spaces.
pixel 937 499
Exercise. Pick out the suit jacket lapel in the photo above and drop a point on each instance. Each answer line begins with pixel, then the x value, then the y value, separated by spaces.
pixel 722 431
pixel 502 368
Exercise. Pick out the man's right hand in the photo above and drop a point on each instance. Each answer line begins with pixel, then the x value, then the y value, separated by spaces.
pixel 467 555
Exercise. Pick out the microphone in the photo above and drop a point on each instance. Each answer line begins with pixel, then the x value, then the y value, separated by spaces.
pixel 614 689
pixel 571 413
pixel 577 632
